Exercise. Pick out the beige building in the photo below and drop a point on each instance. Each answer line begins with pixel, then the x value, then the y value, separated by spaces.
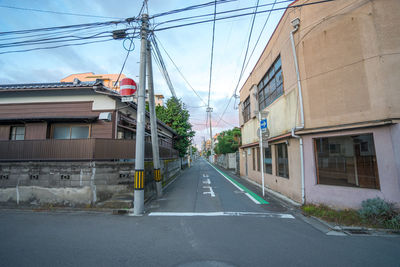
pixel 334 120
pixel 109 80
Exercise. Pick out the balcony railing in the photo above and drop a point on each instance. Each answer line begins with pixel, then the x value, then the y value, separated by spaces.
pixel 76 149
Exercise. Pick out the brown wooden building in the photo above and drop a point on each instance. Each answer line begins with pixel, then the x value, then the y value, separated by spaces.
pixel 71 121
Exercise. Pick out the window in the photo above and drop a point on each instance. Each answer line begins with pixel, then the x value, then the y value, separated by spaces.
pixel 347 161
pixel 17 133
pixel 271 86
pixel 71 132
pixel 282 163
pixel 258 159
pixel 125 134
pixel 254 158
pixel 246 109
pixel 267 160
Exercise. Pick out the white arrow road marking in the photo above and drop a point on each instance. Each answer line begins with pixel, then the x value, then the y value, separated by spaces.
pixel 211 192
pixel 210 214
pixel 207 181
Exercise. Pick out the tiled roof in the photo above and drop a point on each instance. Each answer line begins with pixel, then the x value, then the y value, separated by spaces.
pixel 46 85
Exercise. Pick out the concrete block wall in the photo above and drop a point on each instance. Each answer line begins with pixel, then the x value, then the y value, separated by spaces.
pixel 74 183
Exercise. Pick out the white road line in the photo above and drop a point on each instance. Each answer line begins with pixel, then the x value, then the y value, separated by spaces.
pixel 247 194
pixel 207 181
pixel 211 192
pixel 226 214
pixel 252 198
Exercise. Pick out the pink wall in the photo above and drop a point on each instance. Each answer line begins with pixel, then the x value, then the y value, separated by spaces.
pixel 387 155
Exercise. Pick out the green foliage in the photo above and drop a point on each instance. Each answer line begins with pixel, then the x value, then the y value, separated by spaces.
pixel 374 213
pixel 380 212
pixel 177 117
pixel 228 141
pixel 345 217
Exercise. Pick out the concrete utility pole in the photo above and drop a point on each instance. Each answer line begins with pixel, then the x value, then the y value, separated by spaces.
pixel 138 205
pixel 190 152
pixel 153 124
pixel 211 136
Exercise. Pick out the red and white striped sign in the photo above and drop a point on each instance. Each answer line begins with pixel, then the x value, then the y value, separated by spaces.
pixel 127 87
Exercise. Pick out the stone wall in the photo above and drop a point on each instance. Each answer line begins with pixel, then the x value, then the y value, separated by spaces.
pixel 74 183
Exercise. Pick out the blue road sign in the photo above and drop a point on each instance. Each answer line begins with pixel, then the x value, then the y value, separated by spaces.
pixel 263 124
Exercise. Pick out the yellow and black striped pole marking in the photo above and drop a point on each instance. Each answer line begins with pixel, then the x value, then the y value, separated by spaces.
pixel 139 179
pixel 157 175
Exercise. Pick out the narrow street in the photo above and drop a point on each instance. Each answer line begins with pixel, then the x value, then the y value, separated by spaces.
pixel 203 219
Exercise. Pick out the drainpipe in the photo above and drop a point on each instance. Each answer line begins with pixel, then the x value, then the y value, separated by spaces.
pixel 295 24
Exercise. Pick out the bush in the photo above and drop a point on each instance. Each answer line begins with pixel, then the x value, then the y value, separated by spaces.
pixel 378 211
pixel 393 223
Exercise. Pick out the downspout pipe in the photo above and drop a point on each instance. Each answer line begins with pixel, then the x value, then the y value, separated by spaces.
pixel 296 24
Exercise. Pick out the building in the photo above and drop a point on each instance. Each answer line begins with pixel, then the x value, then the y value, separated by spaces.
pixel 159 100
pixel 110 81
pixel 333 121
pixel 74 142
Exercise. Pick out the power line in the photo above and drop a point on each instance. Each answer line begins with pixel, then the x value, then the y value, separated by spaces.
pixel 212 55
pixel 191 8
pixel 161 65
pixel 241 15
pixel 52 47
pixel 221 12
pixel 179 71
pixel 259 36
pixel 244 61
pixel 63 27
pixel 57 12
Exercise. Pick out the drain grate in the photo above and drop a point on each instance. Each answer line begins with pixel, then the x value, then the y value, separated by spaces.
pixel 357 232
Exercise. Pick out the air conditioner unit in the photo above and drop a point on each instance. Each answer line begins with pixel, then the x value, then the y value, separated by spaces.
pixel 105 116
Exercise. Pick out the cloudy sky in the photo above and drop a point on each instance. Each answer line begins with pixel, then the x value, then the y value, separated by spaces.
pixel 189 47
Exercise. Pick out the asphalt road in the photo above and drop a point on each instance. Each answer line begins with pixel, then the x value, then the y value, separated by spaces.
pixel 189 226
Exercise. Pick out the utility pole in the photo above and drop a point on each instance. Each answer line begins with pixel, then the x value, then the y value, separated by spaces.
pixel 138 205
pixel 211 136
pixel 153 124
pixel 190 152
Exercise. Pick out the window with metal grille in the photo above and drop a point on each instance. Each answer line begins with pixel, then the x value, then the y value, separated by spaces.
pixel 271 85
pixel 246 109
pixel 347 161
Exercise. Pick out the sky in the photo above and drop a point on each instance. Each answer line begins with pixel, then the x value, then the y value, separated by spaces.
pixel 189 47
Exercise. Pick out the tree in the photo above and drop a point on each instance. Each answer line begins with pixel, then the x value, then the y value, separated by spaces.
pixel 176 116
pixel 228 141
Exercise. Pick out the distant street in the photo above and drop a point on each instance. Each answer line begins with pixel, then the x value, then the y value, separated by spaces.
pixel 203 219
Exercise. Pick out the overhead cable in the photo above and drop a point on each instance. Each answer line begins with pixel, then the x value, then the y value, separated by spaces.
pixel 244 61
pixel 212 56
pixel 56 12
pixel 241 15
pixel 180 73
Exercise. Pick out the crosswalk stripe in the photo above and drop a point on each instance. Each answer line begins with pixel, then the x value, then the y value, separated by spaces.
pixel 223 213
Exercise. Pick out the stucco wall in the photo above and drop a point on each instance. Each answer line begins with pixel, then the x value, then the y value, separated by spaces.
pixel 290 187
pixel 351 197
pixel 348 52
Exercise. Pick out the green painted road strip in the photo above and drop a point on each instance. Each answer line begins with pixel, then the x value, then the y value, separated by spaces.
pixel 253 195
